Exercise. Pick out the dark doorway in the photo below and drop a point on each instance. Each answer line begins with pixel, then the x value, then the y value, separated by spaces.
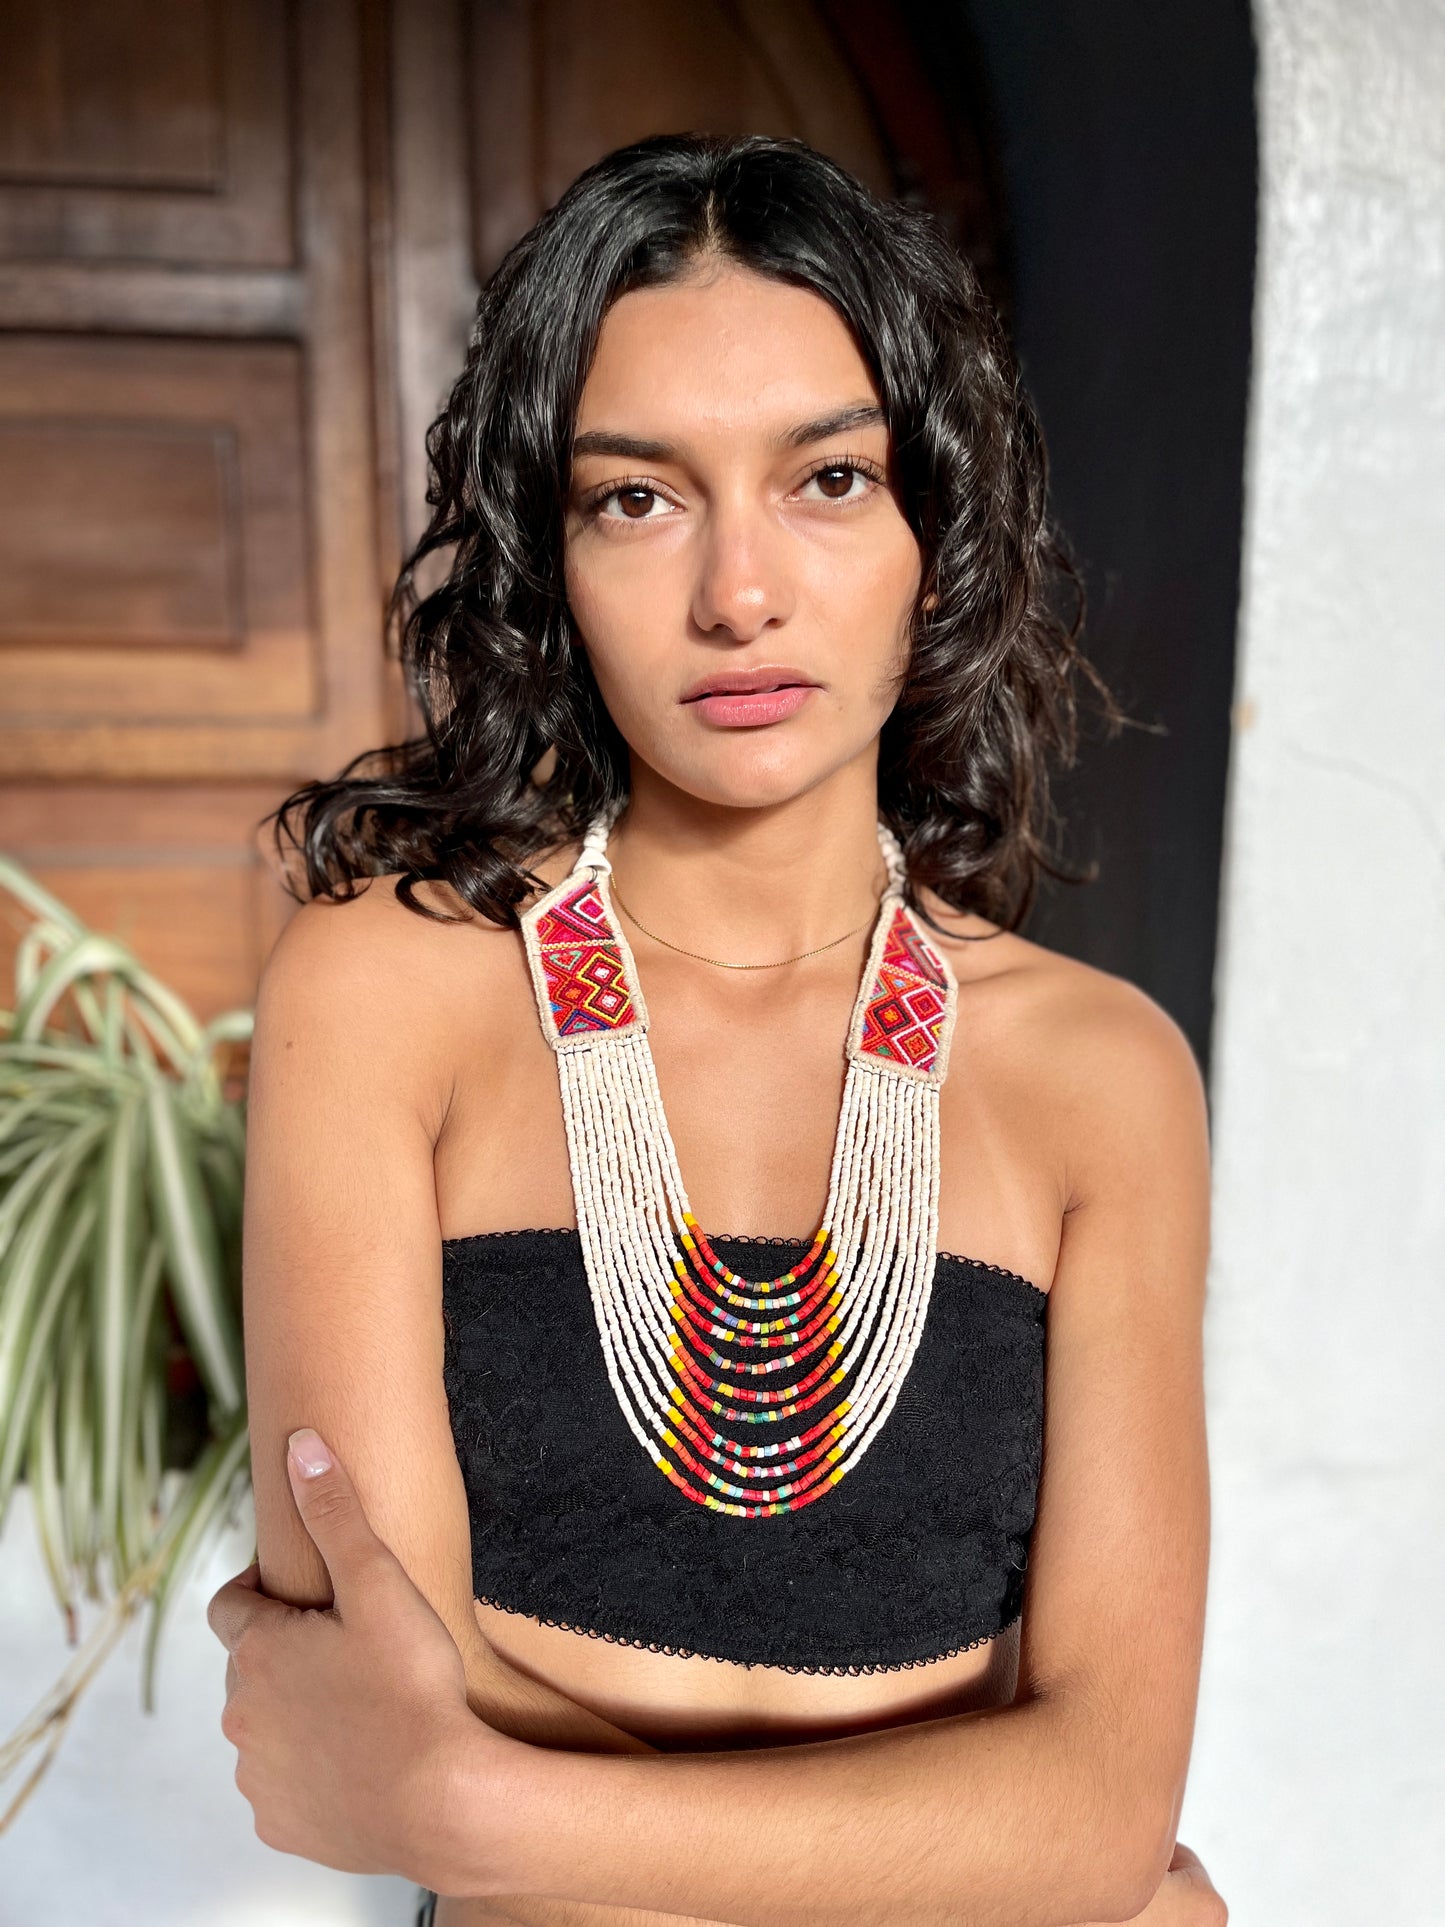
pixel 1121 147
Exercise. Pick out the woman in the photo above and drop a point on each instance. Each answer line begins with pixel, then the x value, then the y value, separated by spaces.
pixel 741 689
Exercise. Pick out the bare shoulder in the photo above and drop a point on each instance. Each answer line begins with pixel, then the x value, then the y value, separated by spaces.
pixel 396 988
pixel 372 947
pixel 370 931
pixel 1096 1055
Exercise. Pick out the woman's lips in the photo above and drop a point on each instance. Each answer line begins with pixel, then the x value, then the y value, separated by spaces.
pixel 753 706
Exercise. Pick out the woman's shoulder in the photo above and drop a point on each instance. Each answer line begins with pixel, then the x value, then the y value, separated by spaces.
pixel 388 911
pixel 366 937
pixel 407 993
pixel 1079 1036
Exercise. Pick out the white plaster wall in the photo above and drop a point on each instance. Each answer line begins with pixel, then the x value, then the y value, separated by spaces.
pixel 1318 1792
pixel 137 1819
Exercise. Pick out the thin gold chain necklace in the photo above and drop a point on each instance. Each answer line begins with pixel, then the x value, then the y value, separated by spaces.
pixel 833 945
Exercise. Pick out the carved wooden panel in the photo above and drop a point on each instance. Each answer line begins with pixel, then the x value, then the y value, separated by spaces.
pixel 188 476
pixel 155 549
pixel 145 130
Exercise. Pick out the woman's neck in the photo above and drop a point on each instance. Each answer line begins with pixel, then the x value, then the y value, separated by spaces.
pixel 749 885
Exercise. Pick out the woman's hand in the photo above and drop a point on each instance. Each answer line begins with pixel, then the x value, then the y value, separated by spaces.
pixel 1184 1897
pixel 347 1719
pixel 1186 1894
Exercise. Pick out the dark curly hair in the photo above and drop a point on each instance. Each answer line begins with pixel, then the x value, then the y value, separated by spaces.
pixel 988 701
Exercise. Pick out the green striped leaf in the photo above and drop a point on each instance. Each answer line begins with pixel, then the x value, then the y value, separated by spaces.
pixel 114 1279
pixel 193 1255
pixel 200 1507
pixel 46 908
pixel 110 1032
pixel 153 1430
pixel 42 1473
pixel 54 1165
pixel 36 1359
pixel 79 956
pixel 77 1451
pixel 32 1106
pixel 25 1261
pixel 143 1371
pixel 24 1057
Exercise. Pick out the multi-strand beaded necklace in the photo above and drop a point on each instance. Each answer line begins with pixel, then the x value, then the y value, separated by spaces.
pixel 688 1342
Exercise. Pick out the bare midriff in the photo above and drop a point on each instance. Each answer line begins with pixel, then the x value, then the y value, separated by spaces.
pixel 705 1705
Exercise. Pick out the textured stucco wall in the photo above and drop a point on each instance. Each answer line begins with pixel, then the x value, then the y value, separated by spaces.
pixel 1318 1792
pixel 138 1819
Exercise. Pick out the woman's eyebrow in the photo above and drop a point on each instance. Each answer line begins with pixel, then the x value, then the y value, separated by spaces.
pixel 610 441
pixel 857 414
pixel 637 448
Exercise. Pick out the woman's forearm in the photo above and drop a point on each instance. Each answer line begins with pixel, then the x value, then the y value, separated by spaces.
pixel 1005 1817
pixel 514 1703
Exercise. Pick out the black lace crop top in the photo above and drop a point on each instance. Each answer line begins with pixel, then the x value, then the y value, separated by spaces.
pixel 917 1554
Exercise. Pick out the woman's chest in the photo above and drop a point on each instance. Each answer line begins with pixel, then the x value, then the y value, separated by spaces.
pixel 751 1090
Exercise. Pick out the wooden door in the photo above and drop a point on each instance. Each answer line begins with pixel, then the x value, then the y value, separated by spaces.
pixel 188 543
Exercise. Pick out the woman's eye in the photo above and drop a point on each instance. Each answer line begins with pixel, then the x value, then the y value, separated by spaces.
pixel 634 500
pixel 837 479
pixel 639 502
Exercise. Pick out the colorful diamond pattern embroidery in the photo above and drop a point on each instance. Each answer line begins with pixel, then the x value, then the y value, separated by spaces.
pixel 582 962
pixel 904 1013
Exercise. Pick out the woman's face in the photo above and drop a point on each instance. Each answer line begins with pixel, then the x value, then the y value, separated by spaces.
pixel 731 510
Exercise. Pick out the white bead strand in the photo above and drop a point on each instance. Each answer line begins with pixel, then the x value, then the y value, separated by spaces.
pixel 863 1298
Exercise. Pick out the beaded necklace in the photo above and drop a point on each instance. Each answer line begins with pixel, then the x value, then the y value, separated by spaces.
pixel 850 1312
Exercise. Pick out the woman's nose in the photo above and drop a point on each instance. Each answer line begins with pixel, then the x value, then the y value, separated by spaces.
pixel 743 584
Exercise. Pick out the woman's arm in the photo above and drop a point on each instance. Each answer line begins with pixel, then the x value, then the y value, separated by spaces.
pixel 1062 1807
pixel 342 1275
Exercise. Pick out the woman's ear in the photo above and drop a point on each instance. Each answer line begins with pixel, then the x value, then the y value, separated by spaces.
pixel 929 603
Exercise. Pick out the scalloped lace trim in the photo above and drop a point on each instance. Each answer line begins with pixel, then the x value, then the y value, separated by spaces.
pixel 688 1652
pixel 729 1237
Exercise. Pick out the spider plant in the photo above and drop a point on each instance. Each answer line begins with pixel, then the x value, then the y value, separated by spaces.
pixel 121 1160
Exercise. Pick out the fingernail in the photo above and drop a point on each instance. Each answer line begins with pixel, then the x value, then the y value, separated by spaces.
pixel 310 1454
